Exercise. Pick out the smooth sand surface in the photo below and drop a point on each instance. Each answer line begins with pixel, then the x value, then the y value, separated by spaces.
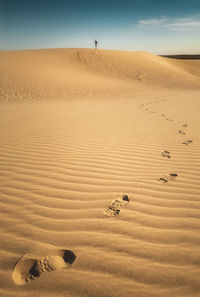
pixel 79 129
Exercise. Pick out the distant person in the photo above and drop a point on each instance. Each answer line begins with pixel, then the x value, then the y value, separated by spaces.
pixel 96 44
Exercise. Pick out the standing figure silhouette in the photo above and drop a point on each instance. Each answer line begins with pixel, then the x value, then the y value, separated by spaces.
pixel 96 44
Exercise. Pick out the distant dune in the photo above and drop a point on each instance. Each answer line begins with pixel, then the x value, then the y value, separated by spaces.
pixel 99 174
pixel 183 57
pixel 33 75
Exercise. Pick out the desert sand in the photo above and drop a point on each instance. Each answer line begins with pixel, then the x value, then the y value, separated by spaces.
pixel 99 174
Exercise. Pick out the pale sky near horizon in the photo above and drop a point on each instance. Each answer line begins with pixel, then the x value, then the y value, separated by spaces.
pixel 156 26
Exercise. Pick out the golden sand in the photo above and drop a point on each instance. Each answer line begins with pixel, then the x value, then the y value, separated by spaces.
pixel 79 129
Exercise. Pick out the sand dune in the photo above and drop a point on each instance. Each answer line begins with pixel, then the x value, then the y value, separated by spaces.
pixel 106 124
pixel 73 73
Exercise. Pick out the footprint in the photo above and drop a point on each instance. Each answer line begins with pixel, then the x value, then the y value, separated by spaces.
pixel 163 115
pixel 166 154
pixel 116 204
pixel 185 125
pixel 187 142
pixel 167 178
pixel 29 267
pixel 181 132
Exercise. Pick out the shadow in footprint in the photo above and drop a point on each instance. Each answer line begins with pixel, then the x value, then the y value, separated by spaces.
pixel 163 179
pixel 29 267
pixel 173 174
pixel 69 257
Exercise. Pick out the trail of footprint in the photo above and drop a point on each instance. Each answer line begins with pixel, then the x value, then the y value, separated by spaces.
pixel 167 178
pixel 29 267
pixel 166 154
pixel 186 142
pixel 116 204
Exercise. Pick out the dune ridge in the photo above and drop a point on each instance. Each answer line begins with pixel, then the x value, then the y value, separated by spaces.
pixel 61 74
pixel 66 158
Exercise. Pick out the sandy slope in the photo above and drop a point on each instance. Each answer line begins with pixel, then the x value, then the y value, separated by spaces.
pixel 105 124
pixel 79 73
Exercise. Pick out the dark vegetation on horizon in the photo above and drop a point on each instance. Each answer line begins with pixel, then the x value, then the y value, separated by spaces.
pixel 183 57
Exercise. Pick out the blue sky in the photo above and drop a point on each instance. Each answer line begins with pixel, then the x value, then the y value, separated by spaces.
pixel 157 26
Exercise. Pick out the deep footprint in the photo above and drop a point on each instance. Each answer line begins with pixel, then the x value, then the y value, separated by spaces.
pixel 116 204
pixel 29 267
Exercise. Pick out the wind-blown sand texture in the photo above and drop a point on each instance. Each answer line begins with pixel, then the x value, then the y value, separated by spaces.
pixel 79 129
